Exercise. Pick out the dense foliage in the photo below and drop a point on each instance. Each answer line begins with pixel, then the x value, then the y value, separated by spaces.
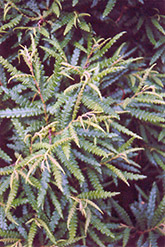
pixel 82 123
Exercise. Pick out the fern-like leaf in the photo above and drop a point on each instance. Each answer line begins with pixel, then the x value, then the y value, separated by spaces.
pixel 96 222
pixel 151 204
pixel 44 225
pixel 57 174
pixel 124 130
pixel 88 219
pixel 4 185
pixel 88 146
pixel 73 226
pixel 74 135
pixel 150 34
pixel 158 26
pixel 147 116
pixel 122 213
pixel 105 48
pixel 97 194
pixel 56 203
pixel 118 173
pixel 126 236
pixel 110 5
pixel 11 24
pixel 71 213
pixel 12 194
pixel 32 233
pixel 4 156
pixel 159 212
pixel 93 178
pixel 20 112
pixel 95 238
pixel 44 186
pixel 69 25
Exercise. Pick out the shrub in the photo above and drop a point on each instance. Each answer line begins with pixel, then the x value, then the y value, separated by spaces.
pixel 77 113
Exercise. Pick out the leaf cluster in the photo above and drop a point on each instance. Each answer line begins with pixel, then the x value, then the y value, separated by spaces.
pixel 79 114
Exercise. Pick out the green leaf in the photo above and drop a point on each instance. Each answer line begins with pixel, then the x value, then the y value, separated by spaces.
pixel 69 26
pixel 71 88
pixel 97 194
pixel 4 155
pixel 124 130
pixel 84 26
pixel 150 34
pixel 96 238
pixel 93 205
pixel 56 202
pixel 57 174
pixel 126 236
pixel 56 9
pixel 110 5
pixel 118 173
pixel 74 2
pixel 44 225
pixel 20 112
pixel 11 23
pixel 100 226
pixel 66 147
pixel 159 213
pixel 94 87
pixel 32 233
pixel 88 219
pixel 44 32
pixel 122 213
pixel 12 193
pixel 161 135
pixel 157 25
pixel 74 135
pixel 71 213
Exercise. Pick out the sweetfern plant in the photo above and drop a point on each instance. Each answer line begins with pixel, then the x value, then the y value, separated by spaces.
pixel 69 134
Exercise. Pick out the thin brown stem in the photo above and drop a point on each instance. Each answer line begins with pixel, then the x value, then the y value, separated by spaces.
pixel 88 57
pixel 39 93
